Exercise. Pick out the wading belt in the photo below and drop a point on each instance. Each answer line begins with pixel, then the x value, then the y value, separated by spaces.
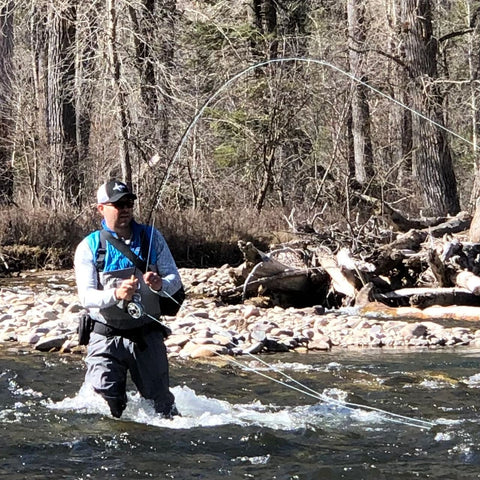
pixel 136 335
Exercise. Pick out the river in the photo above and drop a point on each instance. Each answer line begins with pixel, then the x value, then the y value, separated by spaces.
pixel 250 419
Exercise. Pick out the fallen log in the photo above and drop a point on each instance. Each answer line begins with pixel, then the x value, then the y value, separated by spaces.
pixel 340 281
pixel 430 257
pixel 368 304
pixel 413 239
pixel 469 281
pixel 426 297
pixel 451 312
pixel 286 281
pixel 397 219
pixel 282 275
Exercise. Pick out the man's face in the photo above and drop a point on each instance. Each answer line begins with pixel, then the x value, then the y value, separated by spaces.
pixel 117 215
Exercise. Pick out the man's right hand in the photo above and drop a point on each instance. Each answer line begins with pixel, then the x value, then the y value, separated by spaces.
pixel 127 289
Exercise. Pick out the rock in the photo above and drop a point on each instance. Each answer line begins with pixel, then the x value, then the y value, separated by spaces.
pixel 251 311
pixel 258 335
pixel 255 348
pixel 274 346
pixel 50 343
pixel 278 332
pixel 206 351
pixel 413 330
pixel 176 340
pixel 223 340
pixel 322 343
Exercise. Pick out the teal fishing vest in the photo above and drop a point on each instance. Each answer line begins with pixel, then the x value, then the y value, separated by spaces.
pixel 113 267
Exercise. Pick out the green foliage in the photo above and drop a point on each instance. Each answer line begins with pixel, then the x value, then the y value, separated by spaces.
pixel 225 155
pixel 214 36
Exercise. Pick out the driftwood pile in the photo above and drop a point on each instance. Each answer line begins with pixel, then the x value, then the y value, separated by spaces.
pixel 423 268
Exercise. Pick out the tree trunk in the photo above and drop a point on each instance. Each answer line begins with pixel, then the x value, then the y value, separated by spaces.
pixel 432 157
pixel 53 168
pixel 61 167
pixel 37 42
pixel 474 70
pixel 86 45
pixel 71 186
pixel 362 144
pixel 400 124
pixel 6 103
pixel 119 95
pixel 265 21
pixel 268 166
pixel 164 82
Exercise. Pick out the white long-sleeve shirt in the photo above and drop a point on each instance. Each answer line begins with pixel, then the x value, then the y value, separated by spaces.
pixel 95 296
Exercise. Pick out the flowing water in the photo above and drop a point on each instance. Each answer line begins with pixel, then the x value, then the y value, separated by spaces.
pixel 238 424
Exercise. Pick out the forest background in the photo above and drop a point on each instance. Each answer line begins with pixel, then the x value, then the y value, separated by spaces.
pixel 233 119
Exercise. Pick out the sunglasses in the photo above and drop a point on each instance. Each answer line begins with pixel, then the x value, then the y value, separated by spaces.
pixel 122 204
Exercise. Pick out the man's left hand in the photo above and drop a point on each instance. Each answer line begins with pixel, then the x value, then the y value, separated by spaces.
pixel 153 280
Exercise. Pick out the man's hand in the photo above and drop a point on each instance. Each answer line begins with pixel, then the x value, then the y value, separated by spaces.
pixel 153 280
pixel 126 289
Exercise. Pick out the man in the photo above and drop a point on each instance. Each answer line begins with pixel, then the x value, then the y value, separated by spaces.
pixel 124 303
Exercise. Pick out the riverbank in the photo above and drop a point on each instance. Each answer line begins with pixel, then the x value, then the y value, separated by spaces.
pixel 40 310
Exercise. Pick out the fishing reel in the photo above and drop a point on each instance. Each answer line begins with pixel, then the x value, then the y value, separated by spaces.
pixel 133 307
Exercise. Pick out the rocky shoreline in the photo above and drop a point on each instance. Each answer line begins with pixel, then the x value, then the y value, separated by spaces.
pixel 40 310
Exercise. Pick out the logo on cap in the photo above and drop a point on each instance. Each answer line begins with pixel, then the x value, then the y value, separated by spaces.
pixel 120 187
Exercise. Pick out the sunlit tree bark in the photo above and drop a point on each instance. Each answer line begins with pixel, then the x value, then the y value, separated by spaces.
pixel 6 102
pixel 360 111
pixel 115 74
pixel 432 155
pixel 59 169
pixel 474 71
pixel 85 50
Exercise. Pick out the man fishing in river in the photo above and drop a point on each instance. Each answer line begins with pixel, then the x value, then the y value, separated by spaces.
pixel 123 300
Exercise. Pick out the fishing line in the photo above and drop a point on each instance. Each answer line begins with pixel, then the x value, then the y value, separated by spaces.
pixel 340 402
pixel 302 388
pixel 392 417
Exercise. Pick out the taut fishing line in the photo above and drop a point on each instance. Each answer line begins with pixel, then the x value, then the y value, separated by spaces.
pixel 302 388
